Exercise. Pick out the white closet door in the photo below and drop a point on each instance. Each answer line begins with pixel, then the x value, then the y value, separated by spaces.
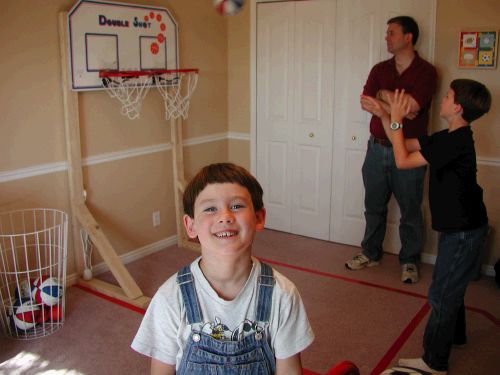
pixel 300 47
pixel 313 118
pixel 358 48
pixel 295 44
pixel 275 95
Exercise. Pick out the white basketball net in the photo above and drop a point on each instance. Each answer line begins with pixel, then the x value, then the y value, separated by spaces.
pixel 130 91
pixel 175 87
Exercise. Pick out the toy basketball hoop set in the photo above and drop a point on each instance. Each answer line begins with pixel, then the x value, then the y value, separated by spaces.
pixel 126 50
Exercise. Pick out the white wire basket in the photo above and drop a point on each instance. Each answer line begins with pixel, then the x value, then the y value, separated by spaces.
pixel 33 250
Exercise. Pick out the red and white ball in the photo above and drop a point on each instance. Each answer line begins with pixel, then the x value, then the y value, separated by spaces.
pixel 55 313
pixel 47 290
pixel 228 7
pixel 25 314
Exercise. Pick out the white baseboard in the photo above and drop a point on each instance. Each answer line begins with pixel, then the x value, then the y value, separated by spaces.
pixel 127 258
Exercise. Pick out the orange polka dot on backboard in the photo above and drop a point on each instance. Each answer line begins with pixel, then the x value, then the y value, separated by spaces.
pixel 151 15
pixel 158 17
pixel 146 18
pixel 160 38
pixel 163 27
pixel 154 48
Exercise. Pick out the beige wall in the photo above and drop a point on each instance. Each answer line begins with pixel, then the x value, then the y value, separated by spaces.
pixel 238 41
pixel 451 16
pixel 123 193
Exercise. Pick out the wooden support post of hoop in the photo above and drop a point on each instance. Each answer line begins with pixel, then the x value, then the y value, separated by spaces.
pixel 179 183
pixel 128 291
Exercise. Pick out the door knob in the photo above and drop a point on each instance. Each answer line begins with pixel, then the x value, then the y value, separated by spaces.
pixel 311 135
pixel 353 138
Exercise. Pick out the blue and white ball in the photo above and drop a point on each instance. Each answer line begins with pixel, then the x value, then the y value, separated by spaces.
pixel 47 291
pixel 228 7
pixel 25 314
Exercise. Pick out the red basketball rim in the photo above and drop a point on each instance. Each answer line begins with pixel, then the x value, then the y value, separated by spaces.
pixel 139 73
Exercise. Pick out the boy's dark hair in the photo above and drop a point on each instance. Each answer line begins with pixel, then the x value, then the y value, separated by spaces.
pixel 221 173
pixel 408 24
pixel 473 96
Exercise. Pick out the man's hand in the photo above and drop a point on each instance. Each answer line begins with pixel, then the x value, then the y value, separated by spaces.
pixel 374 106
pixel 400 106
pixel 386 95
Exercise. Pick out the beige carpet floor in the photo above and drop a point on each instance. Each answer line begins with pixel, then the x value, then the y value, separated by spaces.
pixel 368 317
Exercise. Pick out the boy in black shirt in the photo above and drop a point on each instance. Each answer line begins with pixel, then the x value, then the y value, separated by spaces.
pixel 456 204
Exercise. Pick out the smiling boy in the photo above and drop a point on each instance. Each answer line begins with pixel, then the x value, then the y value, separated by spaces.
pixel 226 312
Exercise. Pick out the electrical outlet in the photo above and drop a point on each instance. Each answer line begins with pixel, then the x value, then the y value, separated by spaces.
pixel 156 218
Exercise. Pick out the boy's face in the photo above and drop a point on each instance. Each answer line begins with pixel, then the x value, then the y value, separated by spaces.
pixel 224 220
pixel 448 106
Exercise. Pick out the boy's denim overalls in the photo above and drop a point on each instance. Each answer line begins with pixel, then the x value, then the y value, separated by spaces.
pixel 205 355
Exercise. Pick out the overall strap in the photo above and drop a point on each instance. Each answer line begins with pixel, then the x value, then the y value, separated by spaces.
pixel 265 293
pixel 185 280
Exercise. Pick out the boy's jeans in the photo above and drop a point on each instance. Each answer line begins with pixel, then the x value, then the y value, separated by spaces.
pixel 455 263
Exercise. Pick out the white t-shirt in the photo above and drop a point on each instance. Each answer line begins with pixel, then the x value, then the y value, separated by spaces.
pixel 164 330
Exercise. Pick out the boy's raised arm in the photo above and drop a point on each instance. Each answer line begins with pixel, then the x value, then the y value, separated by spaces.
pixel 399 110
pixel 405 158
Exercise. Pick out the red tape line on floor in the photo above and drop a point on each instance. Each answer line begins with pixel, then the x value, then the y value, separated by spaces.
pixel 485 313
pixel 396 346
pixel 112 299
pixel 393 350
pixel 348 279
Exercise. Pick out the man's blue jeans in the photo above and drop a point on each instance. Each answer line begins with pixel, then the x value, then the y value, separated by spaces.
pixel 456 260
pixel 381 179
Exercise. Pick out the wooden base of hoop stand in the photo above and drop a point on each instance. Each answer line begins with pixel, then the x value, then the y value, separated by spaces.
pixel 127 291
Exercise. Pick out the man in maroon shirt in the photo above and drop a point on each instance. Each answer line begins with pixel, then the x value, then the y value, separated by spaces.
pixel 405 70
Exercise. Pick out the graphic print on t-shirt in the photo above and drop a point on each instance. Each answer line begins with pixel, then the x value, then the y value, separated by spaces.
pixel 220 331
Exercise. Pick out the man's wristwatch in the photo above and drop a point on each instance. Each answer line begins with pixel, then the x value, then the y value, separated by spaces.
pixel 396 126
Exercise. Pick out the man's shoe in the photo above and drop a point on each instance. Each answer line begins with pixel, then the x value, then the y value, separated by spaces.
pixel 419 364
pixel 409 274
pixel 360 261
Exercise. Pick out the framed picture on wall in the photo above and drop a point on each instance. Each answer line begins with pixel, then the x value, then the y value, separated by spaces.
pixel 478 49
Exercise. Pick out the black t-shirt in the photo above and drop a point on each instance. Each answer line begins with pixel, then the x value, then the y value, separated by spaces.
pixel 455 198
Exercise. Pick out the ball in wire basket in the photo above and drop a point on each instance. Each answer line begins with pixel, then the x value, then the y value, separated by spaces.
pixel 47 290
pixel 25 314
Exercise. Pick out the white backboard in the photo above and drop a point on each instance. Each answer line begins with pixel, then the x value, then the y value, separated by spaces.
pixel 118 36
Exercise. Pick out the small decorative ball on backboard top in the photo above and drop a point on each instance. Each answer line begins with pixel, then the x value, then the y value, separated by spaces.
pixel 228 7
pixel 47 290
pixel 25 314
